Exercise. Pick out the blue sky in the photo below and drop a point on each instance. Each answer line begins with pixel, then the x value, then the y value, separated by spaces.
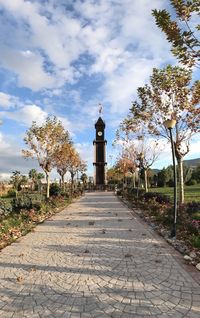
pixel 63 58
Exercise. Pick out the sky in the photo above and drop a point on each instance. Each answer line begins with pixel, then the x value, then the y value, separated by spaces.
pixel 63 58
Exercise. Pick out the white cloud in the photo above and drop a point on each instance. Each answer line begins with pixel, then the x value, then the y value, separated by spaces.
pixel 5 176
pixel 4 145
pixel 51 42
pixel 26 115
pixel 53 38
pixel 11 157
pixel 29 68
pixel 8 101
pixel 86 152
pixel 194 148
pixel 120 87
pixel 4 100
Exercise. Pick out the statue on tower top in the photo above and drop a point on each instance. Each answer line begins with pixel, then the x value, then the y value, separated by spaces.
pixel 100 109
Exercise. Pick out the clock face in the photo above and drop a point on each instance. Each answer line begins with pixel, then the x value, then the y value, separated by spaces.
pixel 99 133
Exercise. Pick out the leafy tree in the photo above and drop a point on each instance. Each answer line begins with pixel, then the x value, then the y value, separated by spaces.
pixel 15 180
pixel 40 176
pixel 33 176
pixel 165 177
pixel 84 179
pixel 122 166
pixel 75 164
pixel 140 151
pixel 36 178
pixel 196 174
pixel 113 175
pixel 187 173
pixel 61 160
pixel 183 33
pixel 169 95
pixel 44 142
pixel 24 181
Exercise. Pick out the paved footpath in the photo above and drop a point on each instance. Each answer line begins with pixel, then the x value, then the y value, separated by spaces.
pixel 95 259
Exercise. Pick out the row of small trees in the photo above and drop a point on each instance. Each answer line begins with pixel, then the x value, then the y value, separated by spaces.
pixel 170 94
pixel 20 181
pixel 51 144
pixel 165 176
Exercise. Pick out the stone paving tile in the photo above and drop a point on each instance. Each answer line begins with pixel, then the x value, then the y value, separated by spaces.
pixel 95 259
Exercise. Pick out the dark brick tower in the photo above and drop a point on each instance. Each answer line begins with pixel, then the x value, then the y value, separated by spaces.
pixel 100 155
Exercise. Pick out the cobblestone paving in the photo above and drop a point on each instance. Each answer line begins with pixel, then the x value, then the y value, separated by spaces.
pixel 94 259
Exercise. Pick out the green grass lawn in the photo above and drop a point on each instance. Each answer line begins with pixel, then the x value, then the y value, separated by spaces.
pixel 192 193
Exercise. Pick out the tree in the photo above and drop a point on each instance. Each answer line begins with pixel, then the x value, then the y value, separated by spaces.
pixel 61 160
pixel 84 179
pixel 165 177
pixel 44 142
pixel 139 149
pixel 122 166
pixel 33 176
pixel 183 33
pixel 23 183
pixel 169 95
pixel 15 180
pixel 196 174
pixel 36 178
pixel 187 173
pixel 75 164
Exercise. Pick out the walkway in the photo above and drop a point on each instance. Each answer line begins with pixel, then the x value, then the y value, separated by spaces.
pixel 94 259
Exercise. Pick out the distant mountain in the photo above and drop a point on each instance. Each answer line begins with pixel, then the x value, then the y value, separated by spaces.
pixel 155 171
pixel 192 162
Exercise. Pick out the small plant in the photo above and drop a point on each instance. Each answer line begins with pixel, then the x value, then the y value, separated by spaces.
pixel 193 207
pixel 11 193
pixel 5 208
pixel 55 189
pixel 191 182
pixel 119 192
pixel 22 203
pixel 159 197
pixel 195 241
pixel 196 224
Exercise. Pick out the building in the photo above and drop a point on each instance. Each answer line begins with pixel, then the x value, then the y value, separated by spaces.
pixel 100 155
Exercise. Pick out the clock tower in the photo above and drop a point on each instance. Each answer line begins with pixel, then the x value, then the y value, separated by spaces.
pixel 100 155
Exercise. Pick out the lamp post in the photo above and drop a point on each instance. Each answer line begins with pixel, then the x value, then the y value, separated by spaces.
pixel 170 124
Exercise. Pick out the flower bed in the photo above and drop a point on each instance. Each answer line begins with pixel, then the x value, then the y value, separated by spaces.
pixel 18 217
pixel 157 210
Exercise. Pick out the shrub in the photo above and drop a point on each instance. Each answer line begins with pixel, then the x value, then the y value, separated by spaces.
pixel 22 203
pixel 158 197
pixel 11 193
pixel 191 182
pixel 170 183
pixel 55 189
pixel 5 208
pixel 193 207
pixel 195 241
pixel 38 205
pixel 119 192
pixel 135 191
pixel 191 227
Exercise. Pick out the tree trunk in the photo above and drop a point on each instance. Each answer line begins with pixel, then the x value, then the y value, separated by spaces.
pixel 181 180
pixel 63 182
pixel 134 177
pixel 145 180
pixel 48 184
pixel 72 183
